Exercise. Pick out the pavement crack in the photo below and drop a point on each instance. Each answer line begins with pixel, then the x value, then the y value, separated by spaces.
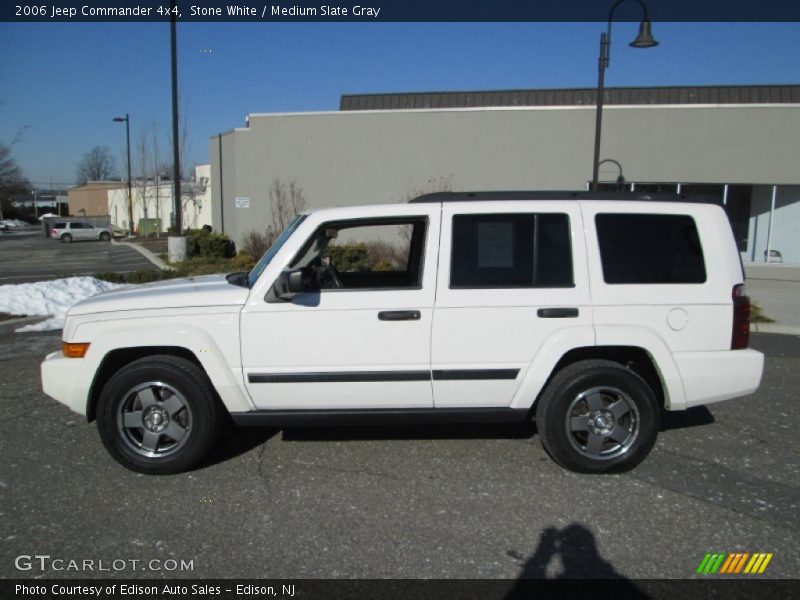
pixel 378 474
pixel 262 476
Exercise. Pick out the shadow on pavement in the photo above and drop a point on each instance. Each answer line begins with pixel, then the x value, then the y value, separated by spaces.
pixel 576 550
pixel 235 441
pixel 683 419
pixel 411 432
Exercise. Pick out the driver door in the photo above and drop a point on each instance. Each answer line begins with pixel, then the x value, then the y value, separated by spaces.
pixel 363 339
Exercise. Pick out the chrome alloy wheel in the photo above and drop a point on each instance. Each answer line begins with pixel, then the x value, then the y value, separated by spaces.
pixel 602 423
pixel 154 419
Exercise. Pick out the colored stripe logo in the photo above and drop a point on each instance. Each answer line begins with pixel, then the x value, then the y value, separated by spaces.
pixel 734 563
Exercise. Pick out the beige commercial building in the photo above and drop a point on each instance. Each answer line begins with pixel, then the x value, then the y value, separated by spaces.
pixel 91 200
pixel 738 143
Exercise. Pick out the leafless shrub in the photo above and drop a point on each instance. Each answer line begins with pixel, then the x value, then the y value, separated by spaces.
pixel 395 255
pixel 286 200
pixel 255 244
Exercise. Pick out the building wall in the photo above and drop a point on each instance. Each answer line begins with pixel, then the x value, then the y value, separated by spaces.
pixel 153 201
pixel 356 157
pixel 91 200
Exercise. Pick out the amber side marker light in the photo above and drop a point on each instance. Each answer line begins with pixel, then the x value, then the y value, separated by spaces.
pixel 73 350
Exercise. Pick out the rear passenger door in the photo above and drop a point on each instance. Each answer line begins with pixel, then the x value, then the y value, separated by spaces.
pixel 87 231
pixel 77 231
pixel 511 275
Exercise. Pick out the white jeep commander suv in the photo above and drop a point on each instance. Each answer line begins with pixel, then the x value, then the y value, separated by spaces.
pixel 588 312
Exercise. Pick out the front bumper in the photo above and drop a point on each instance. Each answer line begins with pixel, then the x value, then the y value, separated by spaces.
pixel 66 380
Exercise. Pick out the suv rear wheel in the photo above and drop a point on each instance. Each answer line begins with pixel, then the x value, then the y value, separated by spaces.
pixel 66 238
pixel 105 236
pixel 158 415
pixel 596 416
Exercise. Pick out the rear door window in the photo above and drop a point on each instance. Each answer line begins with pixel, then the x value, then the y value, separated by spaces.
pixel 511 251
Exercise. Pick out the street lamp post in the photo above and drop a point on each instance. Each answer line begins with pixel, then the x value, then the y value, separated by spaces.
pixel 127 120
pixel 620 177
pixel 643 40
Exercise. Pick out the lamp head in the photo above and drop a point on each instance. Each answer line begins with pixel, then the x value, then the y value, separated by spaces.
pixel 645 38
pixel 120 119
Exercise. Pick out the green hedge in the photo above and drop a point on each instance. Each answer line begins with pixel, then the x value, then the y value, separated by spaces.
pixel 209 244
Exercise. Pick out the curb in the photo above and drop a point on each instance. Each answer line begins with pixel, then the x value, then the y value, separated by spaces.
pixel 144 252
pixel 775 328
pixel 12 324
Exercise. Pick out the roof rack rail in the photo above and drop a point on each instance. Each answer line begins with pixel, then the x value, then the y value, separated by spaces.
pixel 561 195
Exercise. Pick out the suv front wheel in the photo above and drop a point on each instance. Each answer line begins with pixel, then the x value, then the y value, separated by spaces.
pixel 596 416
pixel 158 415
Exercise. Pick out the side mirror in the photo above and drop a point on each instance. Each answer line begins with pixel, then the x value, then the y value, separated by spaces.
pixel 291 283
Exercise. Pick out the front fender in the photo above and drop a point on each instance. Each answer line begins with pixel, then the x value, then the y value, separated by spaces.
pixel 218 355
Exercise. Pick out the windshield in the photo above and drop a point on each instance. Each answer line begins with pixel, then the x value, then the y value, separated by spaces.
pixel 253 276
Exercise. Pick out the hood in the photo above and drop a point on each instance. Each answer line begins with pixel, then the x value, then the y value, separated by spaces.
pixel 208 290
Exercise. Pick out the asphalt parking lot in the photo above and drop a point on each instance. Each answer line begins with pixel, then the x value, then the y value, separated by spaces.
pixel 27 256
pixel 444 502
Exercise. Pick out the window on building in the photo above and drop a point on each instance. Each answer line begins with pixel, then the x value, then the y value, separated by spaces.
pixel 738 209
pixel 646 248
pixel 511 251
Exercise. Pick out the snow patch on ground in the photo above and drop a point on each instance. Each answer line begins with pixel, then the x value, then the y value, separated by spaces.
pixel 49 298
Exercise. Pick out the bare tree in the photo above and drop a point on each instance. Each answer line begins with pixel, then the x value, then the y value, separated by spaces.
pixel 439 183
pixel 286 200
pixel 12 180
pixel 150 169
pixel 144 159
pixel 97 164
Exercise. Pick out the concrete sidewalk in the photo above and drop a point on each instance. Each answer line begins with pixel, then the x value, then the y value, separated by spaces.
pixel 776 289
pixel 155 260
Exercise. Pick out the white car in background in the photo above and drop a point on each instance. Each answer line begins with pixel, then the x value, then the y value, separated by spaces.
pixel 66 231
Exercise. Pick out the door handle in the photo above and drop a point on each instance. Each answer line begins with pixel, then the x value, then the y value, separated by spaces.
pixel 399 315
pixel 557 313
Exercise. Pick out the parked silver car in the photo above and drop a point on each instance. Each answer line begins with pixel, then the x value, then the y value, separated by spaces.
pixel 66 231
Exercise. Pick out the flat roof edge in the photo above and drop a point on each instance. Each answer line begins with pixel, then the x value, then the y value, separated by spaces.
pixel 506 108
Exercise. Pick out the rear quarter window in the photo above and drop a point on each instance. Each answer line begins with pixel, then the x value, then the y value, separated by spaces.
pixel 60 226
pixel 650 249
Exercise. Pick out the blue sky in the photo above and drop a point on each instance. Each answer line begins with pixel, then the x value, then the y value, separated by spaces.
pixel 66 81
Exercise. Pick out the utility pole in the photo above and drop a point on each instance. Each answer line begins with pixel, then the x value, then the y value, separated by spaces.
pixel 175 133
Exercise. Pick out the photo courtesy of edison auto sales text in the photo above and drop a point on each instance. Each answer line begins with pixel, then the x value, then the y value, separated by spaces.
pixel 125 589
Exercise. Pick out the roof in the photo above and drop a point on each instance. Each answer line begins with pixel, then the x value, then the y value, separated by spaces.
pixel 714 94
pixel 560 195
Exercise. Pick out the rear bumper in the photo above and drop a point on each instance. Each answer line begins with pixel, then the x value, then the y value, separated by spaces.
pixel 64 379
pixel 716 376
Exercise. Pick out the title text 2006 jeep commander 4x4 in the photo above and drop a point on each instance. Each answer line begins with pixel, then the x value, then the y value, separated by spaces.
pixel 588 312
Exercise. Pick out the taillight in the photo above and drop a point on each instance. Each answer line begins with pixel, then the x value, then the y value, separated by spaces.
pixel 52 233
pixel 741 318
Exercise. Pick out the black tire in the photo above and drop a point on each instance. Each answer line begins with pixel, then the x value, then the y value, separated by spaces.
pixel 596 416
pixel 148 402
pixel 66 238
pixel 105 236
